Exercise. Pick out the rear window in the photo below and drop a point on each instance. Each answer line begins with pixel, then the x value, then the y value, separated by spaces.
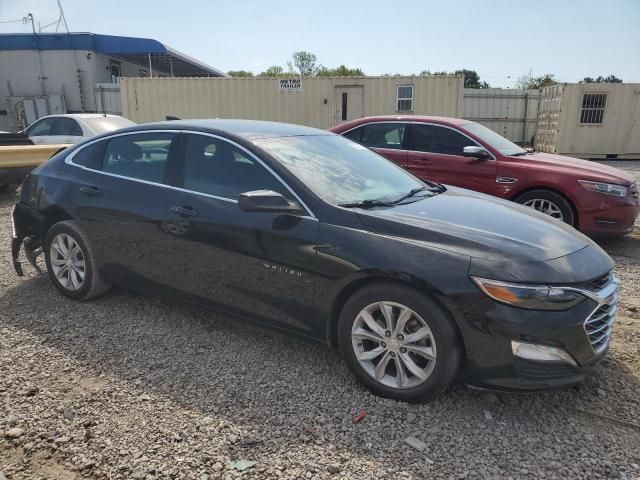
pixel 108 124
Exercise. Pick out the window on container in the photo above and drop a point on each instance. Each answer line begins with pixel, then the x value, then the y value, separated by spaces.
pixel 593 105
pixel 404 98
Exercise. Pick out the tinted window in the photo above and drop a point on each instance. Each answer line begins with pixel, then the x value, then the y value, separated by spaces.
pixel 355 134
pixel 216 167
pixel 90 156
pixel 65 126
pixel 40 128
pixel 383 135
pixel 142 156
pixel 339 170
pixel 430 138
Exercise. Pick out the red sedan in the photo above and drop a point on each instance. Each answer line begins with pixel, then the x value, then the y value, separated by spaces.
pixel 596 199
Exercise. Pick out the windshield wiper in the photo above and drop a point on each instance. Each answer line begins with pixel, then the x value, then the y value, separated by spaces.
pixel 366 204
pixel 408 195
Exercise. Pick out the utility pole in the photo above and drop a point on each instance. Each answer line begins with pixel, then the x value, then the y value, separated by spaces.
pixel 35 36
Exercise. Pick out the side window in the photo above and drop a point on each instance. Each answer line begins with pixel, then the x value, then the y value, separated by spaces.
pixel 89 156
pixel 216 167
pixel 65 126
pixel 434 139
pixel 142 155
pixel 355 134
pixel 40 128
pixel 383 135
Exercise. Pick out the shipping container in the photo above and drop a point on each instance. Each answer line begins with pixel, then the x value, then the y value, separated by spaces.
pixel 320 102
pixel 512 113
pixel 590 120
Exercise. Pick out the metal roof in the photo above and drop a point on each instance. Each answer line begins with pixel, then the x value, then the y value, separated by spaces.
pixel 132 49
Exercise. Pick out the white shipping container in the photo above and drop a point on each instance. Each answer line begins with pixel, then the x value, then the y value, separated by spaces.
pixel 320 102
pixel 510 112
pixel 591 120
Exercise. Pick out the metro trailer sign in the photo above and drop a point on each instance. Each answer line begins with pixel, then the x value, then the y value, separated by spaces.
pixel 290 84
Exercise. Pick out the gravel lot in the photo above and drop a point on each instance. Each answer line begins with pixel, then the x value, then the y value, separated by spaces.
pixel 133 387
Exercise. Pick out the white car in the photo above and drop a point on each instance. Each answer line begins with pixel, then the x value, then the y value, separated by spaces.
pixel 73 127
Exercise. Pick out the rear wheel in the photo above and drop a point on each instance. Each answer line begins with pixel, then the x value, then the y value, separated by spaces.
pixel 71 262
pixel 549 203
pixel 398 342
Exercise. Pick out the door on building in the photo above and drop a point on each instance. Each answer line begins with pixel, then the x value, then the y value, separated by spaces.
pixel 349 103
pixel 634 135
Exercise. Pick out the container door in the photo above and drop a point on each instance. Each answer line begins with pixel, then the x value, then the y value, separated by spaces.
pixel 349 103
pixel 634 136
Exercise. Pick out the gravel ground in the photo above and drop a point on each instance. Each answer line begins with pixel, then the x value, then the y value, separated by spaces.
pixel 133 387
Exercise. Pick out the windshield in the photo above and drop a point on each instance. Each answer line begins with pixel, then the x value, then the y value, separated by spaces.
pixel 108 124
pixel 493 139
pixel 339 170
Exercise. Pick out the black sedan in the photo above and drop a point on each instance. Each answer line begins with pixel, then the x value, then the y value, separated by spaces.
pixel 311 233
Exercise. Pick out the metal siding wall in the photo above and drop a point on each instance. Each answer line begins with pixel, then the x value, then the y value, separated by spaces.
pixel 151 99
pixel 610 137
pixel 503 111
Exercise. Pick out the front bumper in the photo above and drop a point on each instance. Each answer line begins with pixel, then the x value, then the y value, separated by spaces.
pixel 583 332
pixel 604 216
pixel 25 230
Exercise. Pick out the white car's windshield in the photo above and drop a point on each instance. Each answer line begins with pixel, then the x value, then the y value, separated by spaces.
pixel 339 170
pixel 108 124
pixel 493 139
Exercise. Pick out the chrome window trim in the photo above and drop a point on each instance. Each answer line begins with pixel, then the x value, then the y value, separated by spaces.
pixel 69 161
pixel 413 122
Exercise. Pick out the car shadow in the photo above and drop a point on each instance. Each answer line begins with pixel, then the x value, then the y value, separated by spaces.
pixel 228 370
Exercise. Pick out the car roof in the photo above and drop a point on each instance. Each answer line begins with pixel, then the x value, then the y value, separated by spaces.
pixel 401 118
pixel 249 129
pixel 82 115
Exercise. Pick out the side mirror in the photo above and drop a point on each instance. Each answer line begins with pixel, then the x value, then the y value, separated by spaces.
pixel 475 152
pixel 267 201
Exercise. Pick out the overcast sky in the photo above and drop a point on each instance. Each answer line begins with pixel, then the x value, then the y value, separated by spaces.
pixel 499 39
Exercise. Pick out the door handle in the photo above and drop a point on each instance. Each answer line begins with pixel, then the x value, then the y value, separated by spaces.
pixel 184 211
pixel 91 191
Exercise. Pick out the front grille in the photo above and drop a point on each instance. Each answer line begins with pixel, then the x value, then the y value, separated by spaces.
pixel 598 283
pixel 599 324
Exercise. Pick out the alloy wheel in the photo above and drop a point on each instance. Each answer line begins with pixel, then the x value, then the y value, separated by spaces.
pixel 67 261
pixel 545 206
pixel 394 345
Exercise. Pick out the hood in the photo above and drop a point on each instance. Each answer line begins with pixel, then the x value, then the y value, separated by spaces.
pixel 477 225
pixel 575 166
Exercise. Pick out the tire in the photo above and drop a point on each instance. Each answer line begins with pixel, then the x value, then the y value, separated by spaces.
pixel 70 234
pixel 441 338
pixel 549 202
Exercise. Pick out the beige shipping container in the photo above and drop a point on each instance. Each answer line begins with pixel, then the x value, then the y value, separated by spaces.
pixel 591 120
pixel 320 102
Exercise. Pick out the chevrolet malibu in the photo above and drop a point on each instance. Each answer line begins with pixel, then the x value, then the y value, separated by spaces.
pixel 597 199
pixel 311 233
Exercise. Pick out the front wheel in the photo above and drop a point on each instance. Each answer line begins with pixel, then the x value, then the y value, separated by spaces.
pixel 71 263
pixel 550 203
pixel 398 342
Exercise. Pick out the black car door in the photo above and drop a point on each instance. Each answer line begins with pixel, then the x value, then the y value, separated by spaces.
pixel 121 201
pixel 256 263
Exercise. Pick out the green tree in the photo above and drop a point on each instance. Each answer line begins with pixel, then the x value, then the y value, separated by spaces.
pixel 274 71
pixel 340 71
pixel 471 77
pixel 240 73
pixel 601 79
pixel 528 81
pixel 306 63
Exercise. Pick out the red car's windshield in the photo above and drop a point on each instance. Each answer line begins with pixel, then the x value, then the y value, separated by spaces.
pixel 494 140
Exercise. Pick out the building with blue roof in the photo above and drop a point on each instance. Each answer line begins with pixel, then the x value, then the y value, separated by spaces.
pixel 46 73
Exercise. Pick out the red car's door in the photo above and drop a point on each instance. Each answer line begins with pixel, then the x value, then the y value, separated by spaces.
pixel 385 138
pixel 435 153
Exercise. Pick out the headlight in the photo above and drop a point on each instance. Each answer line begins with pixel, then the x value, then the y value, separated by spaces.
pixel 533 297
pixel 606 188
